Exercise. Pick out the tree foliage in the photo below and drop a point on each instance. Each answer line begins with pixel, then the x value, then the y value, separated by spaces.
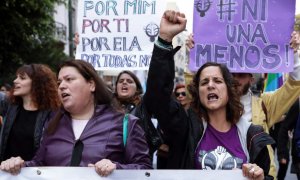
pixel 27 35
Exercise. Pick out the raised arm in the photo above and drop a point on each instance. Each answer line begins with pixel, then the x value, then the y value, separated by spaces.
pixel 288 92
pixel 295 43
pixel 158 99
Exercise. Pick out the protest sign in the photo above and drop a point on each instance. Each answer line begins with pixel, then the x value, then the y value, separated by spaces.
pixel 246 35
pixel 118 34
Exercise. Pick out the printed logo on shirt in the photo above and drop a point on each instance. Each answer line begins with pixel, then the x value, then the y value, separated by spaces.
pixel 218 159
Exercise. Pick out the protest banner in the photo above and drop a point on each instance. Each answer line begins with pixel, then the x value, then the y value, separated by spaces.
pixel 80 173
pixel 118 34
pixel 246 35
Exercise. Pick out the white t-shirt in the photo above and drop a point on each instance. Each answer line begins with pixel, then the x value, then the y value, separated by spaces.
pixel 246 100
pixel 78 127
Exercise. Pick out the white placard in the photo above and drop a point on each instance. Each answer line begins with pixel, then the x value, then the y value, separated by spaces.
pixel 118 34
pixel 78 173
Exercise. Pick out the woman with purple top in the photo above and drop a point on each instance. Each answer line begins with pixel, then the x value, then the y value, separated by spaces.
pixel 88 130
pixel 210 135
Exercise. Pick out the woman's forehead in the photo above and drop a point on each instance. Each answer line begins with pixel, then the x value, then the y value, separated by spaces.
pixel 67 71
pixel 180 89
pixel 125 76
pixel 211 71
pixel 22 73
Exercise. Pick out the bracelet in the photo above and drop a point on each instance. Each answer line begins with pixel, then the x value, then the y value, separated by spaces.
pixel 164 44
pixel 164 41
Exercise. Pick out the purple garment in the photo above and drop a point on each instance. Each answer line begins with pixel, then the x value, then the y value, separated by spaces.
pixel 102 138
pixel 220 150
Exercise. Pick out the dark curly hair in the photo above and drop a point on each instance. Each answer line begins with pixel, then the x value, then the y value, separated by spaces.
pixel 234 107
pixel 43 88
pixel 139 89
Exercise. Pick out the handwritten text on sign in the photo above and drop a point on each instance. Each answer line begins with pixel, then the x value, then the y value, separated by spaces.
pixel 118 34
pixel 246 35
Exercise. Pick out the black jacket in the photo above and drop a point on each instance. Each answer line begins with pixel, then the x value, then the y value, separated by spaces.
pixel 10 115
pixel 185 129
pixel 289 123
pixel 153 138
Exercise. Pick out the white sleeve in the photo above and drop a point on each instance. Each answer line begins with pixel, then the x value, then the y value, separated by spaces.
pixel 295 74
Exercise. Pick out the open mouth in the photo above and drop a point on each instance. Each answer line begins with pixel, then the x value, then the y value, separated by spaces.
pixel 212 97
pixel 124 89
pixel 64 95
pixel 17 87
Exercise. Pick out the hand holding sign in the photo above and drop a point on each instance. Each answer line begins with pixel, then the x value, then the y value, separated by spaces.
pixel 76 38
pixel 104 167
pixel 12 165
pixel 295 40
pixel 171 24
pixel 190 43
pixel 252 171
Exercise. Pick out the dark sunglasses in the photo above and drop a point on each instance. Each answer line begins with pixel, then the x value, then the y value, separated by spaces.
pixel 178 94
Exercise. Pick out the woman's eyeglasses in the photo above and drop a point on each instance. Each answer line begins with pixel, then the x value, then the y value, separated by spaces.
pixel 178 94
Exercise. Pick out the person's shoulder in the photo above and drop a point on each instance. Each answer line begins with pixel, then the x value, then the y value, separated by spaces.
pixel 256 96
pixel 257 99
pixel 2 96
pixel 52 113
pixel 109 111
pixel 132 117
pixel 256 133
pixel 105 108
pixel 254 129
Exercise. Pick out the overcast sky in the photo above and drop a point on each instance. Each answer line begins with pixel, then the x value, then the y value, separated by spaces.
pixel 186 6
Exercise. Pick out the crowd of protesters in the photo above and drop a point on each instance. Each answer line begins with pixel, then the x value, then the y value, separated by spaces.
pixel 212 122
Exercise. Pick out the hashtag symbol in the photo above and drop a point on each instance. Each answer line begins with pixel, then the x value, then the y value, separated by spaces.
pixel 226 9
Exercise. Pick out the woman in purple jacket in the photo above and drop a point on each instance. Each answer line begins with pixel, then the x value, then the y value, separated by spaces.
pixel 88 130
